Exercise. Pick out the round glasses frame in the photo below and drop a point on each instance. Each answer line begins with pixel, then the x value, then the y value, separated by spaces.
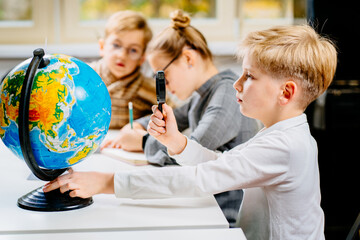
pixel 129 51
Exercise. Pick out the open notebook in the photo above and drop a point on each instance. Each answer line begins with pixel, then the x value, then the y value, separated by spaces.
pixel 134 158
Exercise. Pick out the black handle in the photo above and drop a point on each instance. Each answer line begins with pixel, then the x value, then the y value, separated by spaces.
pixel 160 88
pixel 160 107
pixel 24 131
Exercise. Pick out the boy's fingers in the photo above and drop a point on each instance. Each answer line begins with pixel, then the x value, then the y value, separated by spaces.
pixel 51 186
pixel 155 127
pixel 152 132
pixel 153 108
pixel 157 121
pixel 169 113
pixel 156 111
pixel 58 182
pixel 68 187
pixel 75 193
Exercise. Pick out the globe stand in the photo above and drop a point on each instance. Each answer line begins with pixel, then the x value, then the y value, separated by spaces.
pixel 37 200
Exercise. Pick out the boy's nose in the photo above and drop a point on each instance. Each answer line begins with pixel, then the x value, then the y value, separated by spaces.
pixel 121 52
pixel 238 85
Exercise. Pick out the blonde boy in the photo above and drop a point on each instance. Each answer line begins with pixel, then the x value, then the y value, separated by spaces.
pixel 122 50
pixel 284 69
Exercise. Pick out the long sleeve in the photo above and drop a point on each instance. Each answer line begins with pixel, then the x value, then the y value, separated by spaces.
pixel 156 153
pixel 194 154
pixel 236 169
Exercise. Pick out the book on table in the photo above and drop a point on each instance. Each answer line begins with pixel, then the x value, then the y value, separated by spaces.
pixel 134 158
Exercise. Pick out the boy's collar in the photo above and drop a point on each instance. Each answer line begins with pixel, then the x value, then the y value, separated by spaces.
pixel 286 124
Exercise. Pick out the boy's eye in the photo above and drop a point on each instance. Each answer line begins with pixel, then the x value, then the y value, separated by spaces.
pixel 134 50
pixel 115 45
pixel 248 76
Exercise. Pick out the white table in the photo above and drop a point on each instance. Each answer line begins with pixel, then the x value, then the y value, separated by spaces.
pixel 188 234
pixel 106 214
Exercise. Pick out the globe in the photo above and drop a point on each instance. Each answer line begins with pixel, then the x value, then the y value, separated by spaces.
pixel 54 112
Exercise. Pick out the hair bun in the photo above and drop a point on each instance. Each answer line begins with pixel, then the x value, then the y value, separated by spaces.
pixel 179 19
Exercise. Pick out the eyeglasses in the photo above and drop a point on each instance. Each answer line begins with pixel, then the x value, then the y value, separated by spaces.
pixel 167 65
pixel 134 53
pixel 172 60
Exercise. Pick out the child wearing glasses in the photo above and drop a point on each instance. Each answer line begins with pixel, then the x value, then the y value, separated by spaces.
pixel 181 51
pixel 284 70
pixel 122 50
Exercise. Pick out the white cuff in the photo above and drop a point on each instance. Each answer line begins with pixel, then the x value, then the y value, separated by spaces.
pixel 121 184
pixel 194 153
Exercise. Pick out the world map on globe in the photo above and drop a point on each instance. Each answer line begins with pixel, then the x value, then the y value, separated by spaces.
pixel 69 113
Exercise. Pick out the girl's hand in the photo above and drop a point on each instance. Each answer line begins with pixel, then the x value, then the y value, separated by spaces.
pixel 164 128
pixel 82 184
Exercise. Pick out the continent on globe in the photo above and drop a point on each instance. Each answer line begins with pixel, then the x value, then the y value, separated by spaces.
pixel 69 111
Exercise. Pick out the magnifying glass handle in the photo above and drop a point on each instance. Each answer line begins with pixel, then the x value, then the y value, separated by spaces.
pixel 160 107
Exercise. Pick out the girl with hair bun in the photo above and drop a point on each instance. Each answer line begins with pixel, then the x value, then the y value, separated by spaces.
pixel 181 51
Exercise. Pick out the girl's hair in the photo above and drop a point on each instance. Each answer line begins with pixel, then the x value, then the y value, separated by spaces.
pixel 180 33
pixel 296 52
pixel 127 21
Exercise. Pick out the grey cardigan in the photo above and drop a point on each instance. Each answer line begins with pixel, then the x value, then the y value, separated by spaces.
pixel 213 116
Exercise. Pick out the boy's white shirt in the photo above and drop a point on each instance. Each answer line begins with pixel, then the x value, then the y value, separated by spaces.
pixel 279 165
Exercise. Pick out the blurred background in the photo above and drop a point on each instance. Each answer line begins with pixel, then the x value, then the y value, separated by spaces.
pixel 73 27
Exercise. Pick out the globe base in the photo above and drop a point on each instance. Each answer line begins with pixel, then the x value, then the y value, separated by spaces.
pixel 53 201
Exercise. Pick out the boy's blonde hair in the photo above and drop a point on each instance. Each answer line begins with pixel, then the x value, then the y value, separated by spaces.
pixel 127 21
pixel 180 33
pixel 296 52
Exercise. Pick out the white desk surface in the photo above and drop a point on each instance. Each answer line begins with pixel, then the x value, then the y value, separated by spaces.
pixel 106 214
pixel 188 234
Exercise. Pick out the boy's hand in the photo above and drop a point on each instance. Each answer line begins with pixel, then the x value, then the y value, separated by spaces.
pixel 82 184
pixel 164 128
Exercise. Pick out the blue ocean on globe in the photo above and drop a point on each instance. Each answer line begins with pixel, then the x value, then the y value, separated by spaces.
pixel 69 113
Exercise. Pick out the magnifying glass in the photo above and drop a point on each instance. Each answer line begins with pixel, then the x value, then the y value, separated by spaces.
pixel 160 88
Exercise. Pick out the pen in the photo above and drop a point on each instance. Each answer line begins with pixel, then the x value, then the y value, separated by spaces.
pixel 131 114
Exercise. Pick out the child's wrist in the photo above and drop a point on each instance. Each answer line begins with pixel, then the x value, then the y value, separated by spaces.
pixel 108 187
pixel 178 145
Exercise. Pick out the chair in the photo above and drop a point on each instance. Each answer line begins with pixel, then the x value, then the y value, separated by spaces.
pixel 354 233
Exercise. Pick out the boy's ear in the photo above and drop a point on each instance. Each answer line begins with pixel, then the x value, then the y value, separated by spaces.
pixel 101 46
pixel 142 59
pixel 288 92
